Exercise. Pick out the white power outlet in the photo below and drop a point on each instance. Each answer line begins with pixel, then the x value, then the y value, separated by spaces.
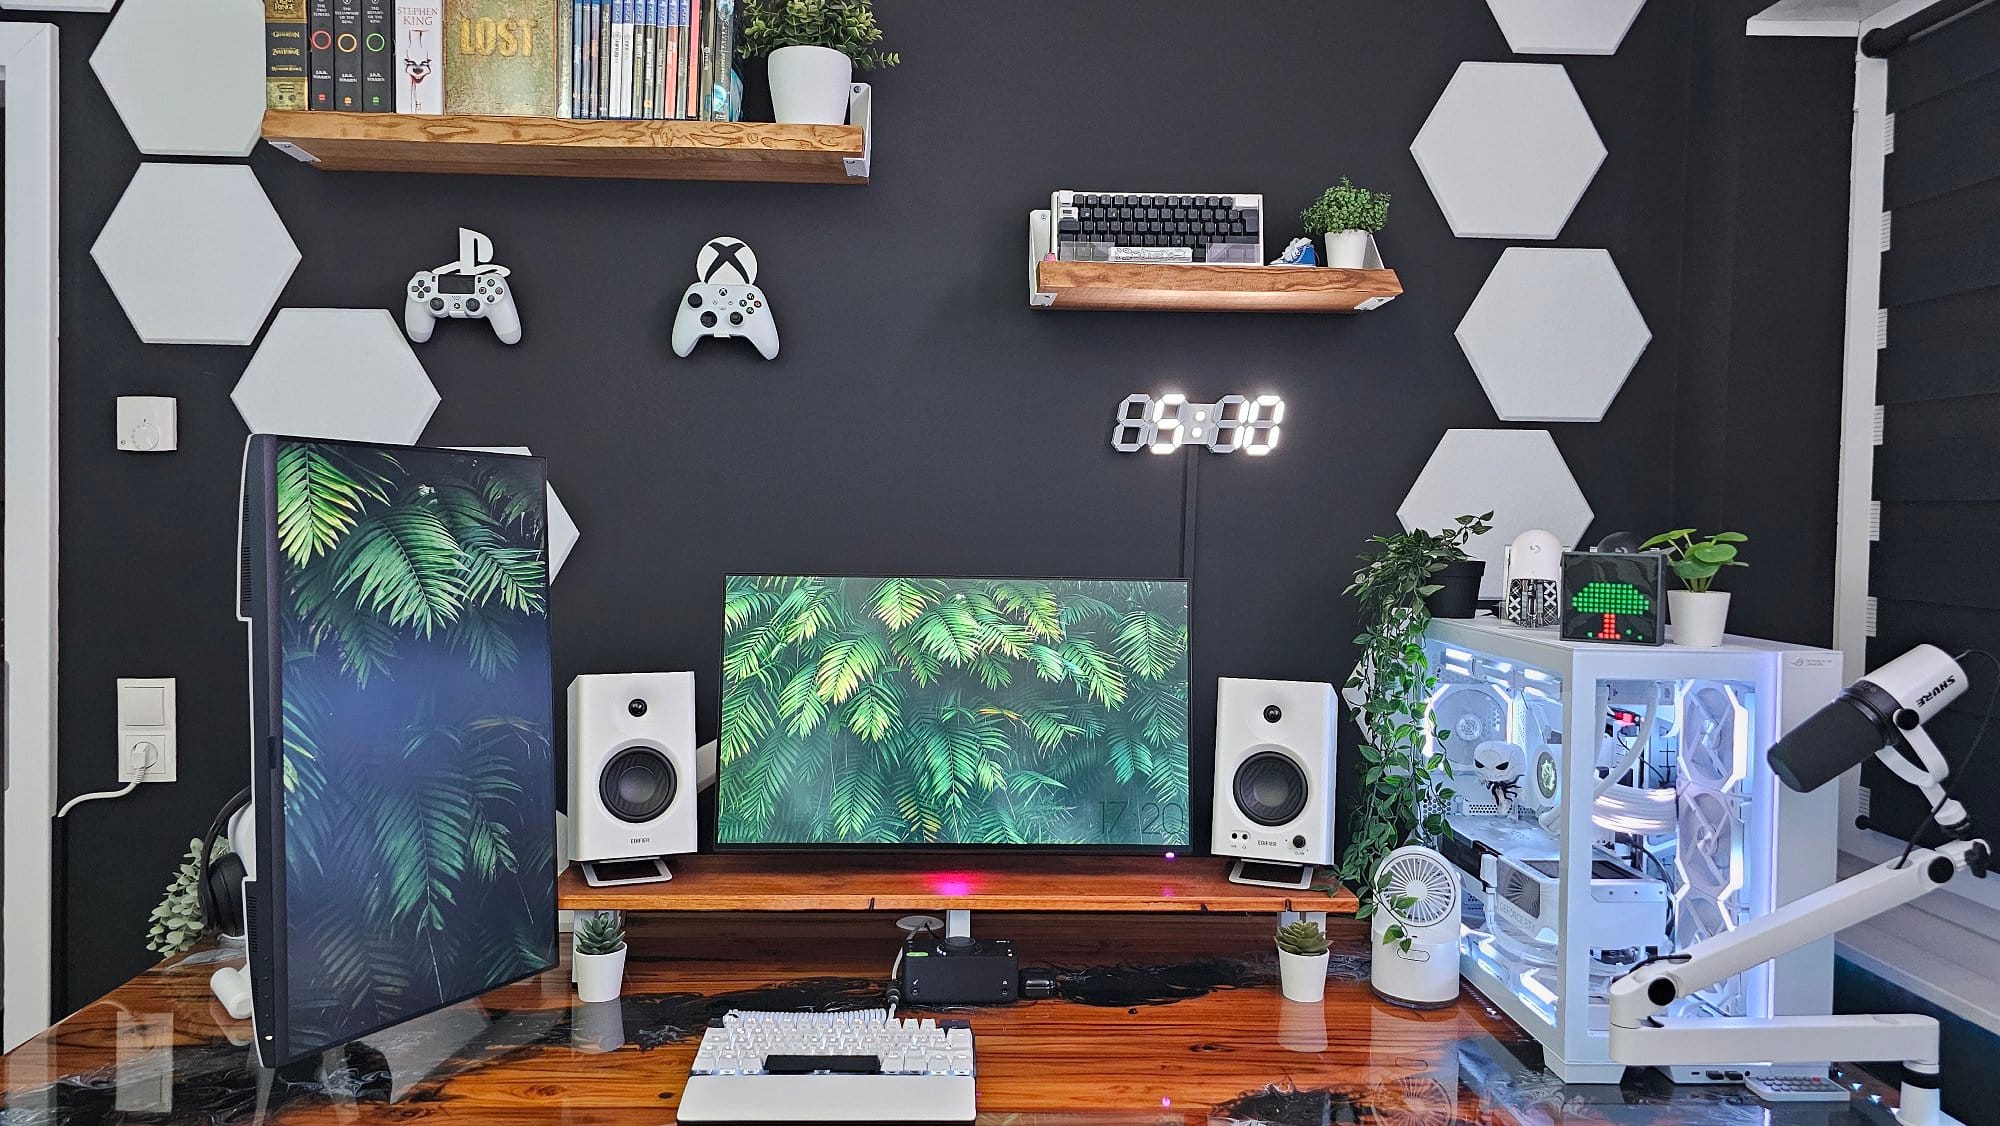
pixel 146 730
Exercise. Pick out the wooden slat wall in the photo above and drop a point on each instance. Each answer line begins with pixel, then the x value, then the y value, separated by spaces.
pixel 1935 574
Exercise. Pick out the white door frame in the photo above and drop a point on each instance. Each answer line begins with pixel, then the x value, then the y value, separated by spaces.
pixel 28 68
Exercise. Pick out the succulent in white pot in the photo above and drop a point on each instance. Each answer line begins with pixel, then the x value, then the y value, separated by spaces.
pixel 813 48
pixel 1700 613
pixel 1347 218
pixel 599 956
pixel 1302 958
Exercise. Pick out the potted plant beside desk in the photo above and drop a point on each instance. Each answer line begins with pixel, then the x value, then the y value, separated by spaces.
pixel 600 956
pixel 814 47
pixel 1302 958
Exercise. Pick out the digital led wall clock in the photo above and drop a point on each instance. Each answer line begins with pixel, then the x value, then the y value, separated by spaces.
pixel 1614 596
pixel 1165 424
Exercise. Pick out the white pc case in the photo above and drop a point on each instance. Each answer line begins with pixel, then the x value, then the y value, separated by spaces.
pixel 1640 769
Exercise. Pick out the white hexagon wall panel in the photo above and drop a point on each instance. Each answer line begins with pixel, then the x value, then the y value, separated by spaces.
pixel 336 373
pixel 1565 27
pixel 195 254
pixel 187 76
pixel 1518 475
pixel 1553 334
pixel 563 532
pixel 1508 150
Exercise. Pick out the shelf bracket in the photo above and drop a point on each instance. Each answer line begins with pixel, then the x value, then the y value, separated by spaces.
pixel 860 111
pixel 1039 242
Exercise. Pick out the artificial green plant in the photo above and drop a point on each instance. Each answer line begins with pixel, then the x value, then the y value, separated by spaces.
pixel 1402 788
pixel 1345 207
pixel 847 26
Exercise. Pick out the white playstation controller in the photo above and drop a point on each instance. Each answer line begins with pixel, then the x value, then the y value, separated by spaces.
pixel 433 296
pixel 726 301
pixel 714 309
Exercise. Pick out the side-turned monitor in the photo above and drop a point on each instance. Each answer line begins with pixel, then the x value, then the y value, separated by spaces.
pixel 403 778
pixel 941 713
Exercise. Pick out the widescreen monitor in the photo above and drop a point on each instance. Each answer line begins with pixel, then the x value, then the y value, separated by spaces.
pixel 943 713
pixel 403 779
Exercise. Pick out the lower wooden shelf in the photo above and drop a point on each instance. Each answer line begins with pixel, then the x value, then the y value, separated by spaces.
pixel 1128 286
pixel 823 882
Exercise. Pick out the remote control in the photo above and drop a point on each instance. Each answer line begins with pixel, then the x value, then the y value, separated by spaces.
pixel 1796 1089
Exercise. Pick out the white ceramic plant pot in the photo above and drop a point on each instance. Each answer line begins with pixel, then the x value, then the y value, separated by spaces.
pixel 809 85
pixel 1698 618
pixel 1347 250
pixel 1302 977
pixel 599 977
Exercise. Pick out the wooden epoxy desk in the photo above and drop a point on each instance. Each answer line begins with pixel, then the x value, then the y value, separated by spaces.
pixel 1195 1034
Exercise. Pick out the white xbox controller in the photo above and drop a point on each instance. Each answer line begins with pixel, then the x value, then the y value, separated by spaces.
pixel 726 301
pixel 435 295
pixel 719 310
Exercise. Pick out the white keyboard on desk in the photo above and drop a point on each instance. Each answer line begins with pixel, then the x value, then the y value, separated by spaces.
pixel 831 1067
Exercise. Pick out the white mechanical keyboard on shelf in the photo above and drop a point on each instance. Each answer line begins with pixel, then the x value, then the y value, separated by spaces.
pixel 831 1067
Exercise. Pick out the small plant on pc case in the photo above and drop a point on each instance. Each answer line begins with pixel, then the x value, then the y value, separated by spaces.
pixel 1402 788
pixel 1346 216
pixel 1700 614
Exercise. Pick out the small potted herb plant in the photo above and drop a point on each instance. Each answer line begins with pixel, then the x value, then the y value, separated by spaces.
pixel 599 956
pixel 1302 958
pixel 1700 614
pixel 814 47
pixel 1347 218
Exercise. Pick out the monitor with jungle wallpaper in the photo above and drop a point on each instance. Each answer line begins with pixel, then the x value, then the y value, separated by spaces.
pixel 954 713
pixel 404 782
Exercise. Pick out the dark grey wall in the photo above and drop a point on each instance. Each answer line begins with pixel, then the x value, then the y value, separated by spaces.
pixel 922 418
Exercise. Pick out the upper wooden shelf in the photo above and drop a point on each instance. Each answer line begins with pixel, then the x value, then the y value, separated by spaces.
pixel 554 146
pixel 1199 287
pixel 767 881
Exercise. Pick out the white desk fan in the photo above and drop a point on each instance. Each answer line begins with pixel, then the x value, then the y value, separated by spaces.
pixel 1417 891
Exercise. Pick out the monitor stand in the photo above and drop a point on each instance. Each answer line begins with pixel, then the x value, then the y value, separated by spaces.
pixel 1271 874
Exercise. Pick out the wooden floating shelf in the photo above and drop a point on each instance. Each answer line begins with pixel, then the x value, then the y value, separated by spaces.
pixel 1200 287
pixel 1113 286
pixel 751 151
pixel 766 881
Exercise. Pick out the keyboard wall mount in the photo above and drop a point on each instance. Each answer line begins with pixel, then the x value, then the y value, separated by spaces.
pixel 1201 287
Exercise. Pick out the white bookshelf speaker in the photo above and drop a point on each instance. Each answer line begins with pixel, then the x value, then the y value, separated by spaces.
pixel 1274 778
pixel 631 765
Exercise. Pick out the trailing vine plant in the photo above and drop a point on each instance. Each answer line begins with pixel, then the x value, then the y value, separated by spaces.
pixel 1403 790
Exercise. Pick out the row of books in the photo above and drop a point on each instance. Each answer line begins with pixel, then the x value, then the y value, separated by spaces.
pixel 667 59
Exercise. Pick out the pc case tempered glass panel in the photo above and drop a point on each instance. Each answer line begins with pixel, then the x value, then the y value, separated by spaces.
pixel 1668 764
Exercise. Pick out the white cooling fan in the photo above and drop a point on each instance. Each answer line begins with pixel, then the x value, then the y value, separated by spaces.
pixel 1417 890
pixel 1472 714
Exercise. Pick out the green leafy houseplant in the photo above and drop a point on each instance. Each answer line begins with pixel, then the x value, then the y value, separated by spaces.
pixel 1402 789
pixel 1345 207
pixel 847 26
pixel 177 921
pixel 1394 932
pixel 602 933
pixel 1697 562
pixel 1303 938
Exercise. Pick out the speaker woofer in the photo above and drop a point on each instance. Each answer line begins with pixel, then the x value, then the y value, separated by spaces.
pixel 1270 788
pixel 637 784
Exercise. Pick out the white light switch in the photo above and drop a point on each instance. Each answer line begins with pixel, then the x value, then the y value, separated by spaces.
pixel 146 729
pixel 146 424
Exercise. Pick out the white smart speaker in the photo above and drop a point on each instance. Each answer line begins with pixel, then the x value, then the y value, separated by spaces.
pixel 1274 777
pixel 631 766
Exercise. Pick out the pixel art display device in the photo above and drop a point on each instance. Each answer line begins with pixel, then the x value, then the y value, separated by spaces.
pixel 404 778
pixel 927 712
pixel 1614 596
